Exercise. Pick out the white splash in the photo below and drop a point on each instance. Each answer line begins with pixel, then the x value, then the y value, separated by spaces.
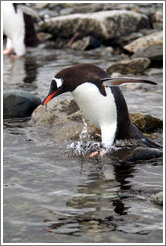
pixel 85 145
pixel 81 146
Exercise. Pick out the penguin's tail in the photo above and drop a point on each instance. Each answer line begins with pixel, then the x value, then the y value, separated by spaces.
pixel 150 143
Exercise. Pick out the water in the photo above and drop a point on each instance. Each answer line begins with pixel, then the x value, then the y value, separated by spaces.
pixel 54 196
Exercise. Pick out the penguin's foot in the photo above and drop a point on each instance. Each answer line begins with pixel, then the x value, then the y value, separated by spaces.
pixel 96 150
pixel 11 53
pixel 101 153
pixel 7 51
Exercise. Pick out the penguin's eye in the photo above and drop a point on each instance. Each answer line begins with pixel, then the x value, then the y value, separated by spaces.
pixel 59 83
pixel 60 88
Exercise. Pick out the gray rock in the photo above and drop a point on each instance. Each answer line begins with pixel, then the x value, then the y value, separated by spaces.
pixel 86 43
pixel 133 66
pixel 144 42
pixel 19 104
pixel 158 198
pixel 157 20
pixel 62 112
pixel 154 53
pixel 138 153
pixel 102 25
pixel 55 112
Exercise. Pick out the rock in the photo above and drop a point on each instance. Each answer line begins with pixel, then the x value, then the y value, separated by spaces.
pixel 41 5
pixel 154 53
pixel 54 113
pixel 62 112
pixel 138 153
pixel 146 122
pixel 19 104
pixel 44 36
pixel 158 198
pixel 133 66
pixel 158 16
pixel 157 20
pixel 46 13
pixel 86 43
pixel 144 42
pixel 101 25
pixel 125 39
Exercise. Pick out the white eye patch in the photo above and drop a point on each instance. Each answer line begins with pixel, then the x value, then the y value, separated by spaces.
pixel 59 82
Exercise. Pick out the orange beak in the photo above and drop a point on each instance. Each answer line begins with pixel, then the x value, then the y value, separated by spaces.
pixel 49 97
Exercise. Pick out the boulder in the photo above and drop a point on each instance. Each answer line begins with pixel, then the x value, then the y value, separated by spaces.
pixel 157 20
pixel 133 66
pixel 154 53
pixel 139 153
pixel 102 25
pixel 144 42
pixel 132 154
pixel 55 112
pixel 146 122
pixel 19 104
pixel 63 113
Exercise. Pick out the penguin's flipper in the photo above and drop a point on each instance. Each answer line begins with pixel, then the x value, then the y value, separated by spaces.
pixel 119 81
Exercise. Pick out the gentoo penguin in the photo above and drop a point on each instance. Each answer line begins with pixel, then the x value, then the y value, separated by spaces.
pixel 19 29
pixel 103 105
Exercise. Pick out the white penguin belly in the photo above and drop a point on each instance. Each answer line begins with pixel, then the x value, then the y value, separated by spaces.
pixel 14 27
pixel 99 109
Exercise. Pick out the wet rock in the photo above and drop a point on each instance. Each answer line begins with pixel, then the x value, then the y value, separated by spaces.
pixel 19 104
pixel 101 25
pixel 154 53
pixel 138 153
pixel 146 122
pixel 55 112
pixel 86 43
pixel 133 66
pixel 158 198
pixel 66 114
pixel 144 42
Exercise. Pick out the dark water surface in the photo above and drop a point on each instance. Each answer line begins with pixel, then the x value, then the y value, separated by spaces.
pixel 51 196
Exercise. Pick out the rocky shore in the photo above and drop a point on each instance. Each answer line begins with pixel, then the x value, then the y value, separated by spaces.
pixel 123 27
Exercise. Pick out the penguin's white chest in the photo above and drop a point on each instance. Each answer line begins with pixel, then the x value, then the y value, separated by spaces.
pixel 13 22
pixel 99 109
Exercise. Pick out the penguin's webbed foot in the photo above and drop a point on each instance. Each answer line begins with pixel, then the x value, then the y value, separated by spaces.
pixel 101 153
pixel 96 150
pixel 7 51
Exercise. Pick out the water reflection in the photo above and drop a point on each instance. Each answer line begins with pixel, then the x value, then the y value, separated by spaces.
pixel 20 73
pixel 98 203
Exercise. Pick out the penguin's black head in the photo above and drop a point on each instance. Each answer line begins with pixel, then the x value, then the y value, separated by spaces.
pixel 69 78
